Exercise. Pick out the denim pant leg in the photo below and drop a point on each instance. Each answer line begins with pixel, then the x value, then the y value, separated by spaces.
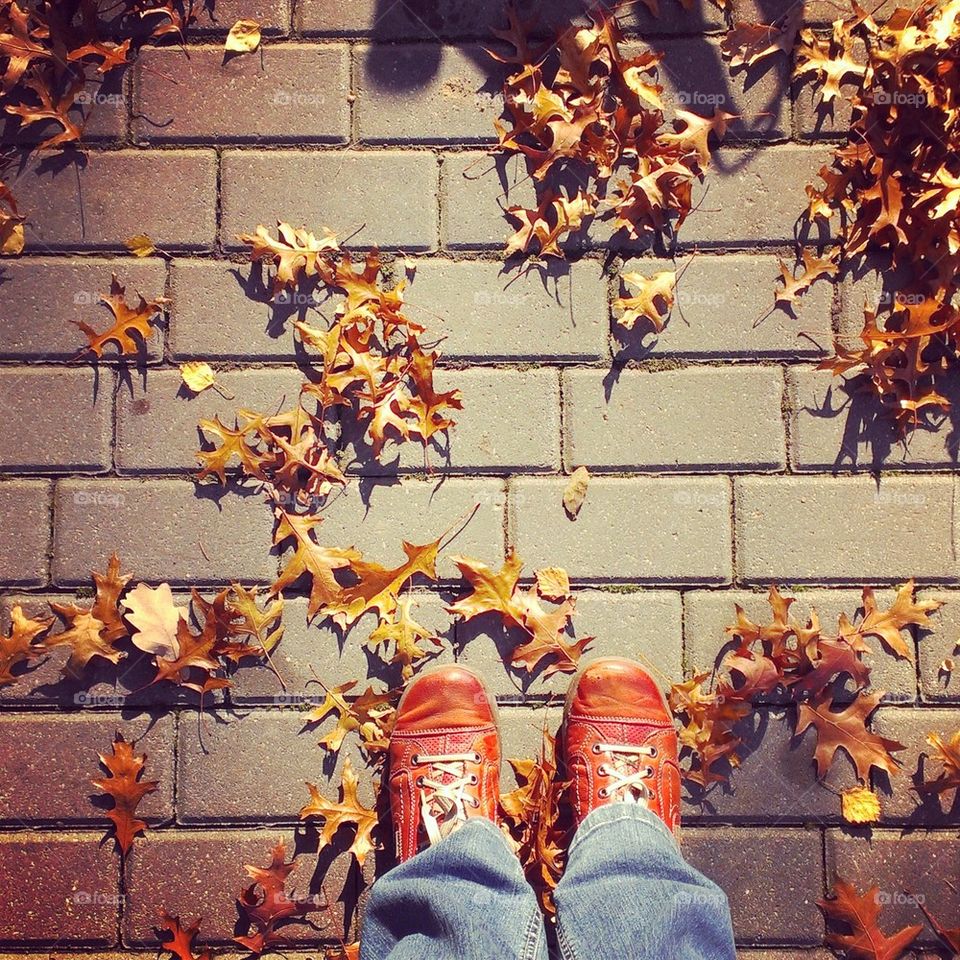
pixel 464 898
pixel 627 892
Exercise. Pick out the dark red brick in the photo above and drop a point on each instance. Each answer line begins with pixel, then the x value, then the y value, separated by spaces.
pixel 50 761
pixel 58 888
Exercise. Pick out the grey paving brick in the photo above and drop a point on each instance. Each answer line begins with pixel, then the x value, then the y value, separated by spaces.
pixel 79 880
pixel 69 413
pixel 25 513
pixel 388 193
pixel 843 529
pixel 169 195
pixel 776 782
pixel 782 866
pixel 157 428
pixel 644 529
pixel 689 419
pixel 321 650
pixel 406 95
pixel 752 196
pixel 939 644
pixel 251 767
pixel 475 190
pixel 164 530
pixel 222 310
pixel 696 78
pixel 378 515
pixel 901 799
pixel 901 865
pixel 50 761
pixel 486 314
pixel 837 424
pixel 182 868
pixel 644 625
pixel 708 613
pixel 45 293
pixel 488 435
pixel 738 288
pixel 292 92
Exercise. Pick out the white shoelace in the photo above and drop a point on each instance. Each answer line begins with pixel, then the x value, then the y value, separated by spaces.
pixel 627 780
pixel 443 805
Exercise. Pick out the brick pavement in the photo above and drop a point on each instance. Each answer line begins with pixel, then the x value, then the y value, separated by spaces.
pixel 722 460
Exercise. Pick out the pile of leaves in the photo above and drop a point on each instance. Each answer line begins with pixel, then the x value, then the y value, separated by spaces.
pixel 54 56
pixel 123 621
pixel 814 670
pixel 579 111
pixel 891 192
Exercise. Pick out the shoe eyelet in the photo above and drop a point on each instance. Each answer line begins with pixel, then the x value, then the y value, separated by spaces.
pixel 415 759
pixel 653 752
pixel 419 781
pixel 602 771
pixel 602 793
pixel 595 748
pixel 475 803
pixel 474 779
pixel 649 772
pixel 477 758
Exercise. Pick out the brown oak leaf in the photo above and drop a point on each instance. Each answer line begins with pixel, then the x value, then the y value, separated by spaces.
pixel 124 785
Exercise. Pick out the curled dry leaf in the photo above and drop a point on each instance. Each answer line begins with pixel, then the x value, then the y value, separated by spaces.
pixel 406 635
pixel 747 44
pixel 348 812
pixel 267 905
pixel 124 785
pixel 244 37
pixel 500 593
pixel 575 492
pixel 18 646
pixel 11 224
pixel 652 301
pixel 553 583
pixel 132 326
pixel 106 606
pixel 370 715
pixel 84 634
pixel 860 937
pixel 949 937
pixel 860 805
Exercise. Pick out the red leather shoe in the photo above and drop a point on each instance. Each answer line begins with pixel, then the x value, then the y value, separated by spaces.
pixel 444 757
pixel 619 742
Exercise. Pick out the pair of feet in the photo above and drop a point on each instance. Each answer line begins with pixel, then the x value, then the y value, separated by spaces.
pixel 618 744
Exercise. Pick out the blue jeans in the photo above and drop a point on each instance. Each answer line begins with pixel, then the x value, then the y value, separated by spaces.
pixel 626 893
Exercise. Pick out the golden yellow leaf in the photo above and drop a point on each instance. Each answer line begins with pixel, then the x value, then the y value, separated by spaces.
pixel 860 805
pixel 553 583
pixel 140 245
pixel 244 37
pixel 576 492
pixel 197 375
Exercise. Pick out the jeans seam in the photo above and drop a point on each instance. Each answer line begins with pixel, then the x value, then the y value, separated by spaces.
pixel 531 940
pixel 567 951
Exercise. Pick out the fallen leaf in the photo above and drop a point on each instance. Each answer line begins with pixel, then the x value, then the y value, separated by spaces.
pixel 244 37
pixel 124 785
pixel 860 805
pixel 553 583
pixel 349 812
pixel 156 620
pixel 140 245
pixel 197 375
pixel 18 647
pixel 575 492
pixel 859 914
pixel 180 941
pixel 127 322
pixel 267 904
pixel 85 637
pixel 947 753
